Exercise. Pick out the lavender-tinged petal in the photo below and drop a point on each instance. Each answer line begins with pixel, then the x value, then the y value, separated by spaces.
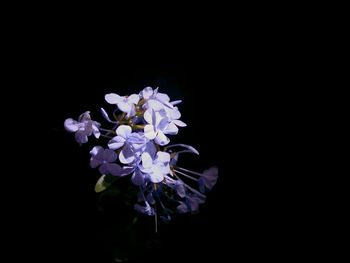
pixel 171 129
pixel 146 93
pixel 94 162
pixel 156 176
pixel 84 117
pixel 162 97
pixel 161 139
pixel 71 125
pixel 114 169
pixel 155 105
pixel 175 102
pixel 96 131
pixel 124 131
pixel 182 208
pixel 163 123
pixel 179 123
pixel 113 98
pixel 116 142
pixel 105 115
pixel 134 98
pixel 148 116
pixel 124 106
pixel 163 157
pixel 126 155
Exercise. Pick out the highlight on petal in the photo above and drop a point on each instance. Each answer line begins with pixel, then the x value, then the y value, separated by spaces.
pixel 126 155
pixel 105 116
pixel 161 139
pixel 134 98
pixel 146 93
pixel 97 149
pixel 109 155
pixel 116 142
pixel 124 131
pixel 149 132
pixel 71 125
pixel 147 161
pixel 163 157
pixel 179 123
pixel 113 98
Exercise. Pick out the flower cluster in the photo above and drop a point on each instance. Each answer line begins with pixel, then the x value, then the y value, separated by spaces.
pixel 138 145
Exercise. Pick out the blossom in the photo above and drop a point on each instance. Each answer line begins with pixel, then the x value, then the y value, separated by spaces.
pixel 104 159
pixel 138 147
pixel 125 104
pixel 157 168
pixel 83 128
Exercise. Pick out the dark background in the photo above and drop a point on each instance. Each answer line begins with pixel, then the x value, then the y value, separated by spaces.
pixel 230 106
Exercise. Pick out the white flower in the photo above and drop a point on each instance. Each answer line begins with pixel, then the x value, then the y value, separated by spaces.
pixel 154 99
pixel 157 123
pixel 125 104
pixel 157 168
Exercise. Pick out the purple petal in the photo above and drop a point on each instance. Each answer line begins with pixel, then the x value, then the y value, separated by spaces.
pixel 84 117
pixel 81 137
pixel 138 178
pixel 176 102
pixel 182 208
pixel 171 129
pixel 94 162
pixel 71 125
pixel 96 131
pixel 162 97
pixel 109 155
pixel 113 98
pixel 94 151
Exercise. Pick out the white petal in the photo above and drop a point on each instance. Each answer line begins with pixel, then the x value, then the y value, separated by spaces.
pixel 149 132
pixel 124 106
pixel 171 129
pixel 124 131
pixel 147 161
pixel 134 98
pixel 84 117
pixel 148 116
pixel 162 97
pixel 179 123
pixel 161 139
pixel 71 125
pixel 116 142
pixel 174 114
pixel 113 98
pixel 163 123
pixel 155 105
pixel 163 157
pixel 156 175
pixel 147 93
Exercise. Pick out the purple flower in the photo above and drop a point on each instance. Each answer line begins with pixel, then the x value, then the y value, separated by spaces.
pixel 157 168
pixel 208 179
pixel 83 128
pixel 125 104
pixel 104 159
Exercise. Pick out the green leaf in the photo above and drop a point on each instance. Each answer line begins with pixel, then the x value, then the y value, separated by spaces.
pixel 104 182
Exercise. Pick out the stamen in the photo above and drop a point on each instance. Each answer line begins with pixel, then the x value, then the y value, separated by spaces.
pixel 187 176
pixel 189 171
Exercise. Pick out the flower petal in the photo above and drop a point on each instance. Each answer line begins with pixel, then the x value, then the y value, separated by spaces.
pixel 134 98
pixel 138 178
pixel 96 131
pixel 161 139
pixel 149 132
pixel 147 161
pixel 148 116
pixel 179 123
pixel 94 162
pixel 113 98
pixel 176 102
pixel 162 97
pixel 156 175
pixel 81 137
pixel 109 155
pixel 105 115
pixel 126 155
pixel 155 105
pixel 71 125
pixel 124 106
pixel 171 129
pixel 124 131
pixel 94 151
pixel 163 157
pixel 116 142
pixel 146 93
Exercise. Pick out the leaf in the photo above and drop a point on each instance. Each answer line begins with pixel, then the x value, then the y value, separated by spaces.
pixel 104 182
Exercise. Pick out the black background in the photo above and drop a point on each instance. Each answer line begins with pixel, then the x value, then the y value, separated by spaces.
pixel 228 104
